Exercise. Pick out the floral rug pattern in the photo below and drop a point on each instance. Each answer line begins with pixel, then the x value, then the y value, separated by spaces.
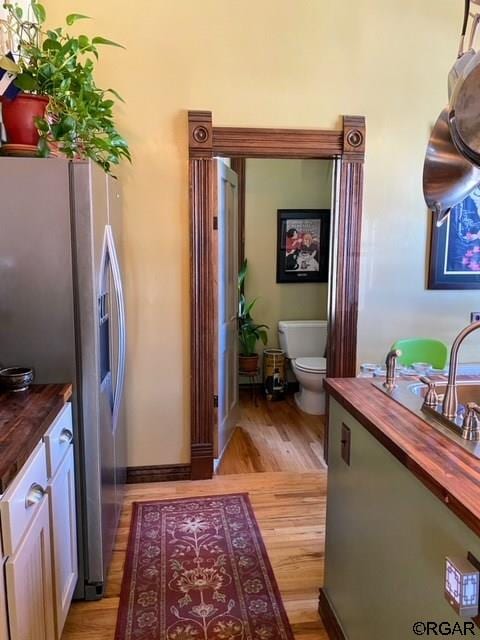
pixel 197 569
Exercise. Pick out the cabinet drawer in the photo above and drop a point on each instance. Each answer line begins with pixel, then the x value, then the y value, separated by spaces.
pixel 20 502
pixel 58 438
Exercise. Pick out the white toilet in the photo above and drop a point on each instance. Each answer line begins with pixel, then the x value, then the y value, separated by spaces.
pixel 304 343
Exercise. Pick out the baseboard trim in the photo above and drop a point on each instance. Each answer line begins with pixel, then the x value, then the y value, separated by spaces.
pixel 329 618
pixel 158 473
pixel 202 461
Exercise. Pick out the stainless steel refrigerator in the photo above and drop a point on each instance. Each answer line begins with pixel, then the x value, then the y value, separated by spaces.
pixel 62 312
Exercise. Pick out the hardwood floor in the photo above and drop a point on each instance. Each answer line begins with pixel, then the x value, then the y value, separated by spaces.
pixel 274 436
pixel 289 503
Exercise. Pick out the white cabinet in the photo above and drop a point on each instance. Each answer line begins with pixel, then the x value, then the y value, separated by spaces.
pixel 29 582
pixel 38 526
pixel 61 491
pixel 3 603
pixel 21 500
pixel 64 538
pixel 58 439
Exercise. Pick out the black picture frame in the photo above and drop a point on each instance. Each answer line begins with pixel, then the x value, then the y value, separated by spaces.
pixel 454 261
pixel 304 257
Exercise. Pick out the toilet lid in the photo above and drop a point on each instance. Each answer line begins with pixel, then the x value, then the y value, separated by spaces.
pixel 318 365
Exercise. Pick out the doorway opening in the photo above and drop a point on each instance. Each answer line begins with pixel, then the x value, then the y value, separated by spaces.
pixel 273 253
pixel 345 148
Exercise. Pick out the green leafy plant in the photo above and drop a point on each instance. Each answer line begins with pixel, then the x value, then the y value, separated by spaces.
pixel 249 333
pixel 51 62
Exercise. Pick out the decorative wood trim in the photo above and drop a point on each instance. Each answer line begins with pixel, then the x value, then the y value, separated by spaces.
pixel 155 473
pixel 203 326
pixel 343 312
pixel 200 134
pixel 347 148
pixel 342 342
pixel 354 138
pixel 329 617
pixel 239 165
pixel 241 142
pixel 202 460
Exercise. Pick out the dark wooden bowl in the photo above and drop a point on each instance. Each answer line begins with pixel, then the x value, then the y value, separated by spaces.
pixel 16 378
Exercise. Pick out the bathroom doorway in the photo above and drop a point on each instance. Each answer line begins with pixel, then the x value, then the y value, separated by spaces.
pixel 346 147
pixel 274 224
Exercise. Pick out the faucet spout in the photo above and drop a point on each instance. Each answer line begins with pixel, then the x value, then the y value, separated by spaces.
pixel 450 401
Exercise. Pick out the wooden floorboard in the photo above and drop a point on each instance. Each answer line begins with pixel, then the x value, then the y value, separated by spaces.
pixel 289 503
pixel 274 436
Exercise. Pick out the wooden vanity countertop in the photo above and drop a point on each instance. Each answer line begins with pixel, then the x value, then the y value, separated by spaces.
pixel 444 467
pixel 24 419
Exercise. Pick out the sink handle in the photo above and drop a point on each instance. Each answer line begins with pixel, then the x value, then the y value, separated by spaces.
pixel 471 425
pixel 431 397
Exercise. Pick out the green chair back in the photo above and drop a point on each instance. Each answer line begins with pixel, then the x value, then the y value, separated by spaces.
pixel 422 350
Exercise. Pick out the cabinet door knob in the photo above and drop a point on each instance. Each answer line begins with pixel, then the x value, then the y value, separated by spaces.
pixel 66 436
pixel 34 495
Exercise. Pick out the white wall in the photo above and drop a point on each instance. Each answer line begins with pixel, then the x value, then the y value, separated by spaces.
pixel 272 185
pixel 25 4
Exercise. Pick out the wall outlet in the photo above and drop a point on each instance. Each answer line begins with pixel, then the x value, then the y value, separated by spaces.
pixel 475 316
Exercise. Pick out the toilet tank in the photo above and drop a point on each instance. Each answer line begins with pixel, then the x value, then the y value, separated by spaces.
pixel 303 338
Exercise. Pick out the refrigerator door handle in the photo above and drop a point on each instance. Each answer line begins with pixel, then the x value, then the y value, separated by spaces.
pixel 120 304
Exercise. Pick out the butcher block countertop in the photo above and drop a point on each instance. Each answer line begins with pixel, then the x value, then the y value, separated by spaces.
pixel 24 419
pixel 445 468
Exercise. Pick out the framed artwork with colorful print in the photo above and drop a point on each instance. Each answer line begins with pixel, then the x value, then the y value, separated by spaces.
pixel 303 237
pixel 455 247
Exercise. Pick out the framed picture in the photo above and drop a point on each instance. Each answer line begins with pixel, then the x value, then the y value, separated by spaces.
pixel 455 247
pixel 303 238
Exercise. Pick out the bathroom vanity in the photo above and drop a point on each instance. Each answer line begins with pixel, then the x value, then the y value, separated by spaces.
pixel 402 496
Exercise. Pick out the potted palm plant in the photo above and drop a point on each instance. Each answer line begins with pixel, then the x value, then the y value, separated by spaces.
pixel 249 333
pixel 59 108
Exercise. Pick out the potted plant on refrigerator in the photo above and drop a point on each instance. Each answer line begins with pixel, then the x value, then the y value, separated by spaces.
pixel 249 333
pixel 59 108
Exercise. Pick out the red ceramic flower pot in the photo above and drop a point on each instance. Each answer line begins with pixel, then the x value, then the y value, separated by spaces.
pixel 19 118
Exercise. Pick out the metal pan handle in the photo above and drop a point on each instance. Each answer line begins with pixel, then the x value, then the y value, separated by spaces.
pixel 441 217
pixel 466 15
pixel 473 30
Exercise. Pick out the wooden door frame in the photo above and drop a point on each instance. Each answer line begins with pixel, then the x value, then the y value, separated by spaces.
pixel 347 147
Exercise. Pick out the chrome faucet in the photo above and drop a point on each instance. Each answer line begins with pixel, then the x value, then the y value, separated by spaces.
pixel 431 396
pixel 390 363
pixel 471 424
pixel 450 401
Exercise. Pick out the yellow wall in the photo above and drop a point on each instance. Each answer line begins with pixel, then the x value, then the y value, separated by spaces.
pixel 272 185
pixel 277 63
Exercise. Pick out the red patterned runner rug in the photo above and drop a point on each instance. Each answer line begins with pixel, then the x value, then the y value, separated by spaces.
pixel 197 569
